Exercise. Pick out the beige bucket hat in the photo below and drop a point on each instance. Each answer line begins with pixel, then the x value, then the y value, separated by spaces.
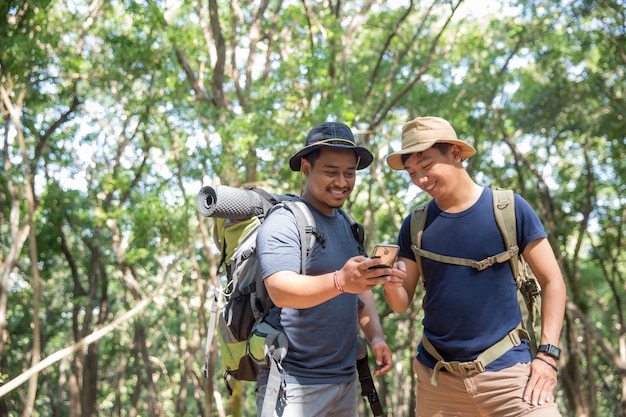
pixel 423 132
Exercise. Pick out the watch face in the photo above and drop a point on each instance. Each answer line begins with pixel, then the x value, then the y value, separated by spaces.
pixel 550 350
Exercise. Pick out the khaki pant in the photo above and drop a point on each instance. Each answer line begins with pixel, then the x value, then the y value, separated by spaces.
pixel 488 394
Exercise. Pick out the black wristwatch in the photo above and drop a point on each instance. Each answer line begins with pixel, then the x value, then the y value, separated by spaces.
pixel 550 350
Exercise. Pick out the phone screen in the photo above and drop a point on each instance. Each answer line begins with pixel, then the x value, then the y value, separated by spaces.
pixel 387 253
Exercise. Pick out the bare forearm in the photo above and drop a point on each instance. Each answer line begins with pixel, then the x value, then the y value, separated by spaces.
pixel 400 290
pixel 397 299
pixel 368 318
pixel 552 311
pixel 288 289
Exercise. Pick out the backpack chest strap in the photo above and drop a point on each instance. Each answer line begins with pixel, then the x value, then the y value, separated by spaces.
pixel 479 265
pixel 478 365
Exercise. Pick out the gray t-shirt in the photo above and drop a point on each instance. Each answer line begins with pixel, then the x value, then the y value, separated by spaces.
pixel 322 339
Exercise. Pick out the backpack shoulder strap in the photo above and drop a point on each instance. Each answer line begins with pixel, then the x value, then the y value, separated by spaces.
pixel 418 222
pixel 529 290
pixel 357 230
pixel 306 227
pixel 504 212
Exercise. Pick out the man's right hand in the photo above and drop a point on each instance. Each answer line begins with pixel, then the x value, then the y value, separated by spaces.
pixel 359 274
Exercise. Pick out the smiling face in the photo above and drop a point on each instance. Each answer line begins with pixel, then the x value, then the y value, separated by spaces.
pixel 435 170
pixel 330 178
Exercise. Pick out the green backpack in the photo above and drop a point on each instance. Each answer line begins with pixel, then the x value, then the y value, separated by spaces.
pixel 245 339
pixel 529 291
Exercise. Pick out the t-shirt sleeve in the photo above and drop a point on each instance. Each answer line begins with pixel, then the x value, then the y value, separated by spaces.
pixel 278 244
pixel 404 239
pixel 529 226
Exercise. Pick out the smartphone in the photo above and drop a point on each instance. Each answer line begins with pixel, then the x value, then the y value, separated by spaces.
pixel 387 253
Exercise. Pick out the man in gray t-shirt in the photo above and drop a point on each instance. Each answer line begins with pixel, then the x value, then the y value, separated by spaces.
pixel 319 312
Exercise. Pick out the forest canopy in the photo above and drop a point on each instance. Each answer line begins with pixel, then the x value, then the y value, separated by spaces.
pixel 116 113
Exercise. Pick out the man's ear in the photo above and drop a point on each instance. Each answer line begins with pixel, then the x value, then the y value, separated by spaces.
pixel 305 166
pixel 457 153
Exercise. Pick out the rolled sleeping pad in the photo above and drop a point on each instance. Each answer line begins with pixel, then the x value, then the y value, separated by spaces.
pixel 229 202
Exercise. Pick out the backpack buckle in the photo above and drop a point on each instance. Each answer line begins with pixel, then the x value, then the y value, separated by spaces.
pixel 485 263
pixel 472 368
pixel 465 369
pixel 495 259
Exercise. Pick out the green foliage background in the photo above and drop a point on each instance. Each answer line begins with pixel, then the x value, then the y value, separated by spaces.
pixel 115 113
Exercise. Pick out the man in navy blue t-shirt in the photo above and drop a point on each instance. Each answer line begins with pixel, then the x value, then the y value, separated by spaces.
pixel 467 311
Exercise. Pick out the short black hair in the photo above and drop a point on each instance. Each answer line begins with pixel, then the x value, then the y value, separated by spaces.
pixel 313 156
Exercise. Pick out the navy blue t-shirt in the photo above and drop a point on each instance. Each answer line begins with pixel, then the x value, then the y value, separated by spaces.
pixel 465 310
pixel 322 339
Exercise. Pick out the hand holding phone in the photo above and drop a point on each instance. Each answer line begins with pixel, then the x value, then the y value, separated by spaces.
pixel 387 253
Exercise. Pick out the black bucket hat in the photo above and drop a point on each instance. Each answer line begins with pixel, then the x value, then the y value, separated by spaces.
pixel 335 135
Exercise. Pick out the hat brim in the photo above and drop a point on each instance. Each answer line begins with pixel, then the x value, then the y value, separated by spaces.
pixel 365 156
pixel 395 159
